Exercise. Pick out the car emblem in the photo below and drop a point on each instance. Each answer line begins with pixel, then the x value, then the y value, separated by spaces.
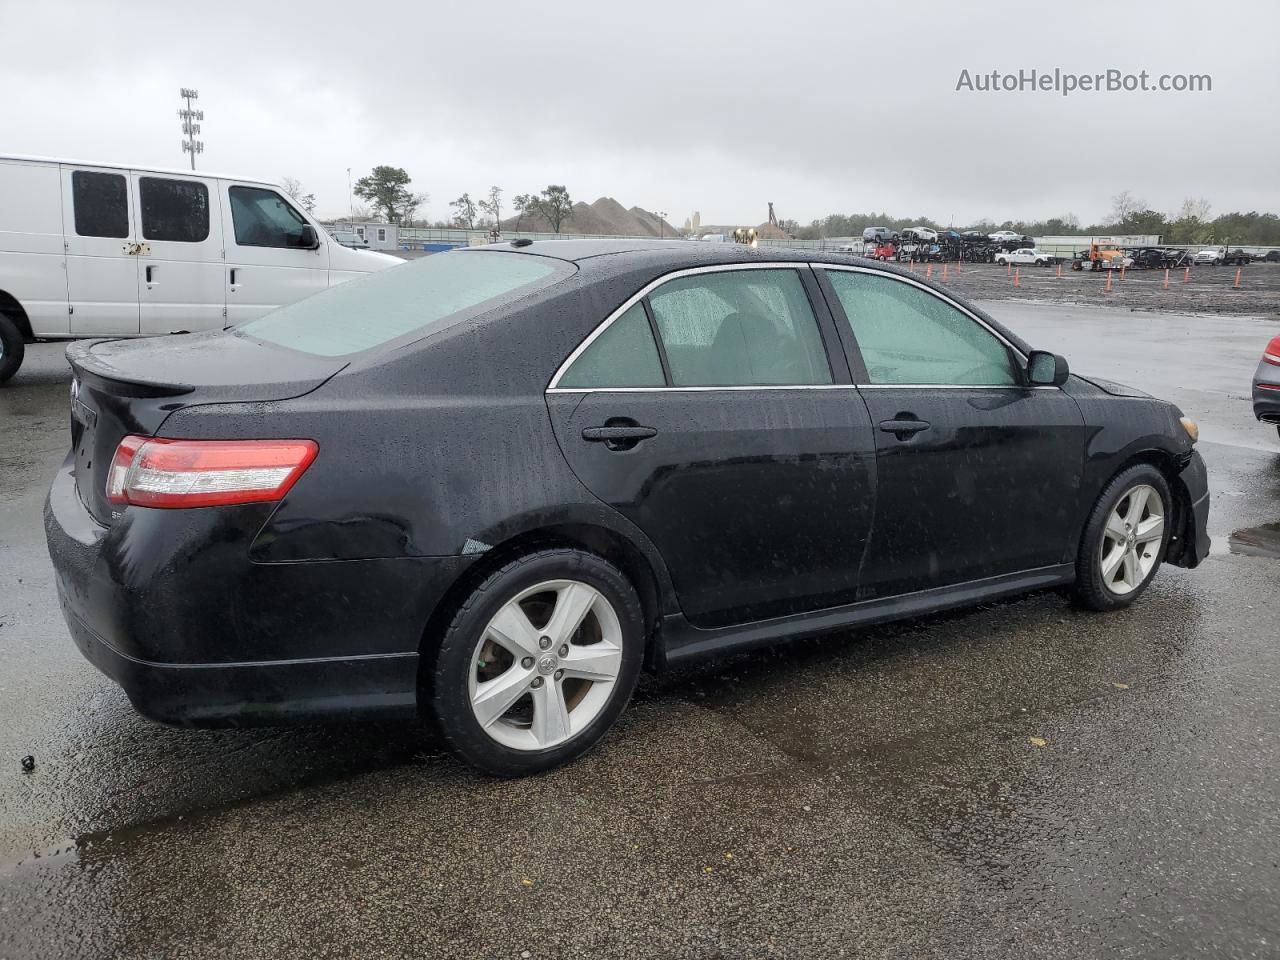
pixel 80 411
pixel 547 664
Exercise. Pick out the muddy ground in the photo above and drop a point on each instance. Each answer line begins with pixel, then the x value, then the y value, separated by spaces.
pixel 1209 289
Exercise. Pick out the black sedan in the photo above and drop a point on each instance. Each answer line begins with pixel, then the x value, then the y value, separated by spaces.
pixel 490 486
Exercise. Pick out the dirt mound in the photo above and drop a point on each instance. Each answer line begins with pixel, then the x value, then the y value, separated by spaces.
pixel 606 216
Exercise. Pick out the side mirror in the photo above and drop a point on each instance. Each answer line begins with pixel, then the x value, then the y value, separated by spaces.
pixel 1045 369
pixel 308 239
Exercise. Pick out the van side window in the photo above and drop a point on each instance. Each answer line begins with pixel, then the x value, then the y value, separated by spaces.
pixel 101 204
pixel 174 209
pixel 262 218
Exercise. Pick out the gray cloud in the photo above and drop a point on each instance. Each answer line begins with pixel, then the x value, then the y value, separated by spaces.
pixel 819 107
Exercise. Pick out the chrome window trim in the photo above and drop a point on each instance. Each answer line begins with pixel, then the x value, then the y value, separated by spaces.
pixel 785 265
pixel 796 265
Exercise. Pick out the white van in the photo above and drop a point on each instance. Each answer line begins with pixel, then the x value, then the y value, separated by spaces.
pixel 99 250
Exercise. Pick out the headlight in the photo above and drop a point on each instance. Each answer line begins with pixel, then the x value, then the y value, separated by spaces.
pixel 1189 425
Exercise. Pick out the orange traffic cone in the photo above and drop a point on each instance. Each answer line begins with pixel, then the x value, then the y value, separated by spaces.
pixel 957 266
pixel 1059 271
pixel 1107 289
pixel 1186 275
pixel 1017 277
pixel 1122 271
pixel 1166 278
pixel 928 272
pixel 1237 283
pixel 1008 269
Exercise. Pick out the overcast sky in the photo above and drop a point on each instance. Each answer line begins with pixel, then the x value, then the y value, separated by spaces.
pixel 697 105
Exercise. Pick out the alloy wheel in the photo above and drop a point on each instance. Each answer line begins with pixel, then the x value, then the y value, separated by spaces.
pixel 1132 539
pixel 545 665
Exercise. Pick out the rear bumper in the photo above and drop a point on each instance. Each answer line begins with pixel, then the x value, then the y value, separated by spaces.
pixel 1266 403
pixel 169 605
pixel 258 693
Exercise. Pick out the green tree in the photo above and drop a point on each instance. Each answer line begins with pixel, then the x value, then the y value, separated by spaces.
pixel 555 205
pixel 464 212
pixel 387 190
pixel 523 203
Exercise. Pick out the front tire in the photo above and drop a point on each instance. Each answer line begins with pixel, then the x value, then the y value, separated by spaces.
pixel 1125 539
pixel 537 663
pixel 12 348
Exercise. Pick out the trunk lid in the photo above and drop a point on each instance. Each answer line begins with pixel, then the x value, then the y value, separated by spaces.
pixel 122 387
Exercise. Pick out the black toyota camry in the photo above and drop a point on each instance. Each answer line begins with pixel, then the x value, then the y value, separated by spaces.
pixel 489 487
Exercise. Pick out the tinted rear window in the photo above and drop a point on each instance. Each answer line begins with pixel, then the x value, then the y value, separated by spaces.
pixel 421 297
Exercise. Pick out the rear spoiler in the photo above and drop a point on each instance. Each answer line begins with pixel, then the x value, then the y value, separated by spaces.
pixel 101 375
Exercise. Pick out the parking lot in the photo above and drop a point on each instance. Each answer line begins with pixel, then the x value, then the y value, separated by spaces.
pixel 1022 780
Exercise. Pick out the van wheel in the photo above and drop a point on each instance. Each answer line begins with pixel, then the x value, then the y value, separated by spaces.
pixel 12 348
pixel 538 663
pixel 1125 539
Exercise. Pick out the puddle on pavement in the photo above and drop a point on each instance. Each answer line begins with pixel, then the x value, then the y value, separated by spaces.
pixel 1261 541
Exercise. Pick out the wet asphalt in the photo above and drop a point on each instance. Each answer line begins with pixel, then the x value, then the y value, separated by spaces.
pixel 1023 780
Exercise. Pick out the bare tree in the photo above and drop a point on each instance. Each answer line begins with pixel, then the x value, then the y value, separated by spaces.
pixel 294 188
pixel 493 206
pixel 1124 205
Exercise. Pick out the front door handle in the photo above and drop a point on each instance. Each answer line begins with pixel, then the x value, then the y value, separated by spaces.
pixel 618 436
pixel 904 429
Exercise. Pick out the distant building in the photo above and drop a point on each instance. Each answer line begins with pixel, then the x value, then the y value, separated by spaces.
pixel 381 236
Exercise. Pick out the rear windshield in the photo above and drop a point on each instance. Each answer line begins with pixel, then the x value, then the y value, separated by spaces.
pixel 421 297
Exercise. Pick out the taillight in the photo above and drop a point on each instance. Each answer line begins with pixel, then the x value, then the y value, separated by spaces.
pixel 1272 353
pixel 157 472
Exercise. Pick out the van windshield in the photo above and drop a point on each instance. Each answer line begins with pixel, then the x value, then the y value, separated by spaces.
pixel 421 297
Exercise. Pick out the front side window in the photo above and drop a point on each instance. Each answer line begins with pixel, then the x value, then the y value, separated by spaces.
pixel 174 209
pixel 101 204
pixel 909 336
pixel 624 355
pixel 418 299
pixel 382 233
pixel 262 218
pixel 739 328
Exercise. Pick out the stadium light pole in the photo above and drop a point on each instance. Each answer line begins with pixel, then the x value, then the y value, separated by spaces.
pixel 191 118
pixel 662 224
pixel 351 203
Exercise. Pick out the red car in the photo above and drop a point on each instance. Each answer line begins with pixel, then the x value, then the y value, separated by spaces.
pixel 885 251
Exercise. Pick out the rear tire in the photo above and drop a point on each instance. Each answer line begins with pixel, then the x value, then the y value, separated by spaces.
pixel 1124 540
pixel 514 690
pixel 12 348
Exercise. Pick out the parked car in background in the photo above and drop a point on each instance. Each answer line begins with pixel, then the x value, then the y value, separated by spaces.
pixel 1159 258
pixel 1003 236
pixel 1266 385
pixel 878 234
pixel 1221 256
pixel 926 234
pixel 351 239
pixel 101 250
pixel 1028 255
pixel 482 487
pixel 1272 256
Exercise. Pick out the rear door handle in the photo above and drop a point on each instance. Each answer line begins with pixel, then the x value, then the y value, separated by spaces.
pixel 904 429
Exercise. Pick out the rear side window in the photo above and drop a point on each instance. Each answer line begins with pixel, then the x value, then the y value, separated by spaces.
pixel 624 355
pixel 174 209
pixel 909 336
pixel 419 298
pixel 101 204
pixel 739 328
pixel 262 218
